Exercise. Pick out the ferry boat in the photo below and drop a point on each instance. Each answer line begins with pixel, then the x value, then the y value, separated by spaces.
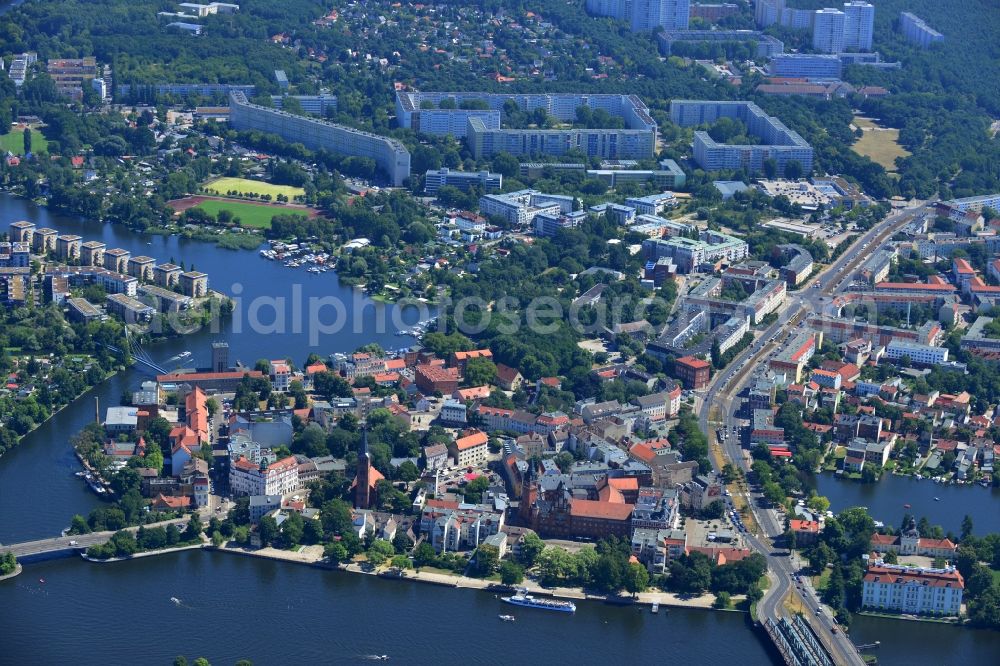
pixel 522 598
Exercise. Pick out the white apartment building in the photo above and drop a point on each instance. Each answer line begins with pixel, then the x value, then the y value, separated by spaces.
pixel 912 590
pixel 919 354
pixel 859 23
pixel 828 30
pixel 278 478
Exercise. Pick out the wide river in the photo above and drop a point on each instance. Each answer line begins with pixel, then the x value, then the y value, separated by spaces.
pixel 234 607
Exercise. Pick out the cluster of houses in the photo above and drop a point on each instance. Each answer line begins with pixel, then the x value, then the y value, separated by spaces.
pixel 866 439
pixel 618 484
pixel 137 287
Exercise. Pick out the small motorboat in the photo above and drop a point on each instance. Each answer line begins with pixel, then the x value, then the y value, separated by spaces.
pixel 175 601
pixel 507 618
pixel 906 506
pixel 937 499
pixel 41 580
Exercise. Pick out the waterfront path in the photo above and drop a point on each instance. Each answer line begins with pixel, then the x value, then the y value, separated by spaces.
pixel 644 598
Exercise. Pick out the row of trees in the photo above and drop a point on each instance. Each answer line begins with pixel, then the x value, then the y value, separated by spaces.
pixel 124 543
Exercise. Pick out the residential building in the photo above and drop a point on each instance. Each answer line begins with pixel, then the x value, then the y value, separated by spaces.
pixel 360 364
pixel 520 208
pixel 715 11
pixel 149 92
pixel 805 66
pixel 194 284
pixel 454 412
pixel 277 478
pixel 320 105
pixel 22 232
pixel 549 224
pixel 509 379
pixel 648 15
pixel 130 310
pixel 978 341
pixel 261 505
pixel 859 24
pixel 70 74
pixel 92 253
pixel 689 254
pixel 766 45
pixel 43 240
pixel 68 247
pixel 915 353
pixel 431 379
pixel 167 275
pixel 777 142
pixel 806 532
pixel 626 143
pixel 795 354
pixel 828 30
pixel 281 374
pixel 775 12
pixel 693 372
pixel 913 590
pixel 486 181
pixel 485 136
pixel 141 268
pixel 391 157
pixel 82 310
pixel 916 30
pixel 472 449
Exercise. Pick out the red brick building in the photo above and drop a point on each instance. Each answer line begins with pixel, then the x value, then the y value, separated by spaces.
pixel 431 379
pixel 693 372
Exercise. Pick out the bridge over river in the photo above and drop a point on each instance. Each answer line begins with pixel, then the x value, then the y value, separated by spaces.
pixel 43 549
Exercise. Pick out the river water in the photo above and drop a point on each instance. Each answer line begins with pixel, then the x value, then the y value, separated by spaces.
pixel 235 607
pixel 885 500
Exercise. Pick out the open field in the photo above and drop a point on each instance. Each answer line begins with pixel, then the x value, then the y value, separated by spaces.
pixel 880 144
pixel 256 215
pixel 244 186
pixel 14 142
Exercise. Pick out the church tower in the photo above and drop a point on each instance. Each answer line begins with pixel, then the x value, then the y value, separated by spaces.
pixel 362 483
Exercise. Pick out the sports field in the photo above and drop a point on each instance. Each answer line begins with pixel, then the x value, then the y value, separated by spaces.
pixel 245 186
pixel 251 215
pixel 14 142
pixel 880 144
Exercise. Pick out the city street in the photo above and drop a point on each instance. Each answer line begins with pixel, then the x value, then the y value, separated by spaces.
pixel 721 403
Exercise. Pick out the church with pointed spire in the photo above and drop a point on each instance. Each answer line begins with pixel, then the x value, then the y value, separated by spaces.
pixel 364 488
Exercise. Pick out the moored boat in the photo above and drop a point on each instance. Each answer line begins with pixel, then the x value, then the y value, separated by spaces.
pixel 522 598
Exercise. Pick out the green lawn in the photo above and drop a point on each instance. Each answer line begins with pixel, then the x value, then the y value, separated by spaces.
pixel 251 215
pixel 880 144
pixel 13 142
pixel 221 186
pixel 819 582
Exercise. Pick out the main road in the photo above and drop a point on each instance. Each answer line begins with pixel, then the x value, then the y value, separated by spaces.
pixel 723 395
